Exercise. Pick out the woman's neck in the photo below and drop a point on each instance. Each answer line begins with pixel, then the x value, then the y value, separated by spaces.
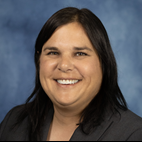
pixel 66 117
pixel 63 125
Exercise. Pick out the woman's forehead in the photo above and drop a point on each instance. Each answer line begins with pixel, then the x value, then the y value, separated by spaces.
pixel 72 34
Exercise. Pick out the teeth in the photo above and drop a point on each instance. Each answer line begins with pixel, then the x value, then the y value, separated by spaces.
pixel 67 81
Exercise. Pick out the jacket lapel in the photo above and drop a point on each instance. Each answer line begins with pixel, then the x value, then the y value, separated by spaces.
pixel 78 135
pixel 47 123
pixel 96 134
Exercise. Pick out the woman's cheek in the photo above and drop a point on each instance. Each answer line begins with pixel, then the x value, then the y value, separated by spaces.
pixel 47 65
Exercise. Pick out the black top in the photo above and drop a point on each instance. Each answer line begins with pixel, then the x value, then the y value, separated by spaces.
pixel 122 126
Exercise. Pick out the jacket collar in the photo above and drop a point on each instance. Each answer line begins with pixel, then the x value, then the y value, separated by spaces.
pixel 95 135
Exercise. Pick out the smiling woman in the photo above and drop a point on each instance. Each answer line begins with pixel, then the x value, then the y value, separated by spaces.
pixel 60 70
pixel 76 95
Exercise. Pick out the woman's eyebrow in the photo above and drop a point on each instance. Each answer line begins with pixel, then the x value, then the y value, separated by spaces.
pixel 83 48
pixel 75 48
pixel 50 48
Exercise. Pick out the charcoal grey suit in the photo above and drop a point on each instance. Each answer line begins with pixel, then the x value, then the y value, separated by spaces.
pixel 125 126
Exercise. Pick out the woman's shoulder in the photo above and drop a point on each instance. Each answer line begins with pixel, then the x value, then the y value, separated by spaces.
pixel 15 110
pixel 122 126
pixel 130 119
pixel 8 123
pixel 12 114
pixel 126 125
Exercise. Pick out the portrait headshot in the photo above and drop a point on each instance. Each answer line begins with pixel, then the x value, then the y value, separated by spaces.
pixel 71 70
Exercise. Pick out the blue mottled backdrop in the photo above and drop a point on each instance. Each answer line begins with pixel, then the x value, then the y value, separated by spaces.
pixel 21 21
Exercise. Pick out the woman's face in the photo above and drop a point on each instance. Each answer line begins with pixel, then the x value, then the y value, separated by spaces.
pixel 70 71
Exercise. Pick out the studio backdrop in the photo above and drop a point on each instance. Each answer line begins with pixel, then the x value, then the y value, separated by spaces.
pixel 21 21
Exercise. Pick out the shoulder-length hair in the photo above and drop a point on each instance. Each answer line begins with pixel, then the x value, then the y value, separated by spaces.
pixel 109 96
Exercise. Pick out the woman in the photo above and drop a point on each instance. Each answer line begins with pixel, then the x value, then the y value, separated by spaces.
pixel 76 95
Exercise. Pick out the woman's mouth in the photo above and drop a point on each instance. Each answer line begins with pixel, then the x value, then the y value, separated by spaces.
pixel 67 81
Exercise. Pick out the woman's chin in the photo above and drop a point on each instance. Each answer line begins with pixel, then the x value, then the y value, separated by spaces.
pixel 65 103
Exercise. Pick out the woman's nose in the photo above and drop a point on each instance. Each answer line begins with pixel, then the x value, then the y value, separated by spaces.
pixel 65 64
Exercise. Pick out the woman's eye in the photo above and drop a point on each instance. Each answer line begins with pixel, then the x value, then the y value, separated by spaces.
pixel 53 53
pixel 80 54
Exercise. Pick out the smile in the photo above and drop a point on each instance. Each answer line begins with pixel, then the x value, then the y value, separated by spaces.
pixel 67 82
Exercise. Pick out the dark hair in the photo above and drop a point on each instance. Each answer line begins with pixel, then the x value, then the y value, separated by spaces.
pixel 109 96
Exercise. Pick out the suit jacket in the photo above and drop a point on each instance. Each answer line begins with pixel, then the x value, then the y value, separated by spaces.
pixel 123 126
